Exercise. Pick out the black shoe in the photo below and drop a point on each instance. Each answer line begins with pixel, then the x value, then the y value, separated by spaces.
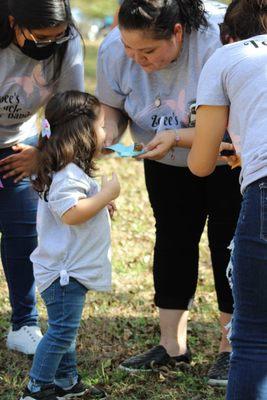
pixel 47 393
pixel 218 373
pixel 154 359
pixel 79 390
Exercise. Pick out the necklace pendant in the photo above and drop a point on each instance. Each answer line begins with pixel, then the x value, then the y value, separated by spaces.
pixel 158 102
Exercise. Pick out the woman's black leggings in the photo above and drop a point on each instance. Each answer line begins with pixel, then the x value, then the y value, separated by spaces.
pixel 181 203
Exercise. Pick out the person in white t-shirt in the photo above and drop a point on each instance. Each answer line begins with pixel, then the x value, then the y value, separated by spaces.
pixel 160 48
pixel 73 252
pixel 41 54
pixel 233 92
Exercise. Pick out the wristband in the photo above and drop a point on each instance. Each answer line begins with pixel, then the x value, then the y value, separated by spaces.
pixel 177 137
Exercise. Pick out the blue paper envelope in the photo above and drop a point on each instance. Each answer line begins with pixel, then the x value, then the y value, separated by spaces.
pixel 125 151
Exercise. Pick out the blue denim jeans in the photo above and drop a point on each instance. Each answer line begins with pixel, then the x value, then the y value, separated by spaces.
pixel 18 207
pixel 248 372
pixel 55 358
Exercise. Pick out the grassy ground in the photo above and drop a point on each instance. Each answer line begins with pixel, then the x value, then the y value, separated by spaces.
pixel 124 322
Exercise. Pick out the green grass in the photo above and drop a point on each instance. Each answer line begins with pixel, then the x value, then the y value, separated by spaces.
pixel 90 66
pixel 125 321
pixel 96 8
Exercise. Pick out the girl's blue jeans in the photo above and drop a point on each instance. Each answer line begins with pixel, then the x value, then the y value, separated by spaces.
pixel 18 207
pixel 55 357
pixel 248 372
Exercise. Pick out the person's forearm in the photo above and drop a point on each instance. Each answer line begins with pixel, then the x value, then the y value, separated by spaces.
pixel 115 122
pixel 115 19
pixel 211 123
pixel 87 208
pixel 184 137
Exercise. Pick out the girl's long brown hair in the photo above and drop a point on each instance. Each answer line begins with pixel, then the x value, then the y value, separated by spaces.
pixel 71 116
pixel 244 19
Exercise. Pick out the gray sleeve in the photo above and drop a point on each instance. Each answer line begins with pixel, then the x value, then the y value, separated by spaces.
pixel 72 73
pixel 212 45
pixel 107 89
pixel 212 40
pixel 212 90
pixel 65 194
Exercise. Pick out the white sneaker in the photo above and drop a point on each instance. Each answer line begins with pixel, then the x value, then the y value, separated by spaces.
pixel 25 340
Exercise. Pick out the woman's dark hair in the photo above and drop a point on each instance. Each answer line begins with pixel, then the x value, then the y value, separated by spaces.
pixel 36 14
pixel 244 19
pixel 158 17
pixel 71 116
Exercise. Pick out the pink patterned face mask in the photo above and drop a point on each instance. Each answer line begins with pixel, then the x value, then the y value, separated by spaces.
pixel 46 131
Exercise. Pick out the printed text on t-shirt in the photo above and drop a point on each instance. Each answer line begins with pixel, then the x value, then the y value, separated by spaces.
pixel 10 104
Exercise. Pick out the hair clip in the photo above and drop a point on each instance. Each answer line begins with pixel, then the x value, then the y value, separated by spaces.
pixel 46 131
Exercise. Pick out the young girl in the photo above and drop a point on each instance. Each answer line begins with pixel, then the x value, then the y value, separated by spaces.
pixel 232 90
pixel 74 237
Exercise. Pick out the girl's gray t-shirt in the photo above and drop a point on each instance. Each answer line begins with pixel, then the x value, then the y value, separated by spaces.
pixel 236 76
pixel 163 99
pixel 65 251
pixel 24 88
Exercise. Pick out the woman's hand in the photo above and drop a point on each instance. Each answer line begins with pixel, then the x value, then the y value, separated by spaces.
pixel 112 133
pixel 158 147
pixel 226 146
pixel 115 124
pixel 22 164
pixel 233 161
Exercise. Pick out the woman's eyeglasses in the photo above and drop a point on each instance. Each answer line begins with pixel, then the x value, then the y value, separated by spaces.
pixel 67 35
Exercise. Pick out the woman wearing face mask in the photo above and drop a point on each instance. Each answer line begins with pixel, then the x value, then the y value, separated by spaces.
pixel 161 47
pixel 40 54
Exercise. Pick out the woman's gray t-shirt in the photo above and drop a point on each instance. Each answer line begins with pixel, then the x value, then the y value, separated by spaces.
pixel 169 93
pixel 236 76
pixel 24 89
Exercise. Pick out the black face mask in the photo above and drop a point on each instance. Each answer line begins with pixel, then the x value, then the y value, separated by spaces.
pixel 38 53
